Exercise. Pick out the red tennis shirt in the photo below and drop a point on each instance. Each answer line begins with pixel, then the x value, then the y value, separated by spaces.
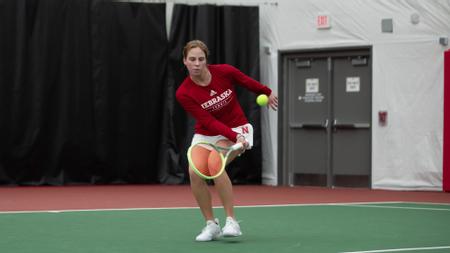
pixel 216 107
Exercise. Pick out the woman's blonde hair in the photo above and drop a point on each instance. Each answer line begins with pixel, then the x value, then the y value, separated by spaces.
pixel 193 44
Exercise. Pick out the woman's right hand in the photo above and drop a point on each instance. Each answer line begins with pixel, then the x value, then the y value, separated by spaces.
pixel 241 139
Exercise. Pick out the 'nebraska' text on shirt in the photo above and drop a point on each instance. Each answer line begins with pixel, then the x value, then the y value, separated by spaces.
pixel 218 102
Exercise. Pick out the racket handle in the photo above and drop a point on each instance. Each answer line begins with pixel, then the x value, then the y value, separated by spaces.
pixel 237 146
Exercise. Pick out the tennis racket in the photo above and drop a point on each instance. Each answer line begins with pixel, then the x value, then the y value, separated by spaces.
pixel 208 160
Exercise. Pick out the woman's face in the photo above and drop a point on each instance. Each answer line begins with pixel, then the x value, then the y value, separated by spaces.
pixel 195 61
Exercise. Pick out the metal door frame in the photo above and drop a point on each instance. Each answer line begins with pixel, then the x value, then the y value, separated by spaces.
pixel 283 55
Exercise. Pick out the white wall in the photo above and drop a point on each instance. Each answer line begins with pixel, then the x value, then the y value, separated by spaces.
pixel 407 77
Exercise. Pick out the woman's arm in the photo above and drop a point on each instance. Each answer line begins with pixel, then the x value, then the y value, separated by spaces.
pixel 243 80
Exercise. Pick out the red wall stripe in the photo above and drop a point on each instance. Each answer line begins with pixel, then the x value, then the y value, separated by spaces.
pixel 446 148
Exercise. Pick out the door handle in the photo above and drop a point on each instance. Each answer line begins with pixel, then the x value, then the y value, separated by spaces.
pixel 309 125
pixel 345 125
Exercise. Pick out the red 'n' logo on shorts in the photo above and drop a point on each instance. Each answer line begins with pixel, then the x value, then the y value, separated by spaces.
pixel 245 129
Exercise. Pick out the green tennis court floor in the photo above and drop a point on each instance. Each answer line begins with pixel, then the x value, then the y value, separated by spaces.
pixel 323 228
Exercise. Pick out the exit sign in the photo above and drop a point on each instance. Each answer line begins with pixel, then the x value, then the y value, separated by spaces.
pixel 323 21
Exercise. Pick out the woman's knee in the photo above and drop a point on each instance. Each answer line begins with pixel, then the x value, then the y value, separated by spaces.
pixel 194 178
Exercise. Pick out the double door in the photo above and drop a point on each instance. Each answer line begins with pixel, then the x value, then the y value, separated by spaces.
pixel 326 124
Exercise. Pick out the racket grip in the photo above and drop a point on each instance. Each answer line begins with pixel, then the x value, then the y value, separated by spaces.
pixel 237 146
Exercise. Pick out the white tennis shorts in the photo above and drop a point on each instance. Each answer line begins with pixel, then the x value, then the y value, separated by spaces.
pixel 246 130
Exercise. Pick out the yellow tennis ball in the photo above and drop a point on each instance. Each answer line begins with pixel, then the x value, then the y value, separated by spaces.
pixel 262 100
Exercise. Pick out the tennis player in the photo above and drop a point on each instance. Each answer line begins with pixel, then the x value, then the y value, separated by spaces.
pixel 209 95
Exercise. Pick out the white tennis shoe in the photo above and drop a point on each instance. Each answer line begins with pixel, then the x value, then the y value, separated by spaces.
pixel 210 232
pixel 231 228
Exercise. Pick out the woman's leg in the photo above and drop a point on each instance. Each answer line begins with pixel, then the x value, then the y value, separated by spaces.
pixel 199 186
pixel 225 191
pixel 223 183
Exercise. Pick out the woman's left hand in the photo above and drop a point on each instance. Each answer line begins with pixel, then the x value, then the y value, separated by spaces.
pixel 273 102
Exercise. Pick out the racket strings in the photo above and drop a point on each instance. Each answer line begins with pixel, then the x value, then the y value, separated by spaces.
pixel 215 162
pixel 207 160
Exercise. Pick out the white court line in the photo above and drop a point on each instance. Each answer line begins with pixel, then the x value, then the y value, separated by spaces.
pixel 429 203
pixel 398 207
pixel 398 250
pixel 323 204
pixel 95 210
pixel 192 207
pixel 348 204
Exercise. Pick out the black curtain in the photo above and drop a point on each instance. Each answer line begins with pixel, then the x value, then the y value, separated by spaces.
pixel 232 35
pixel 80 91
pixel 87 89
